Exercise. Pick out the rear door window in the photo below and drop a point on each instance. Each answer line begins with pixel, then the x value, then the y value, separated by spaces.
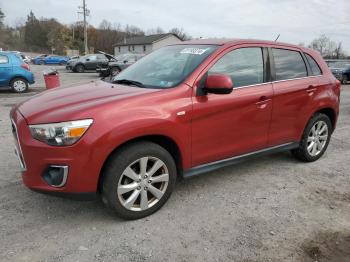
pixel 314 66
pixel 289 64
pixel 4 59
pixel 245 66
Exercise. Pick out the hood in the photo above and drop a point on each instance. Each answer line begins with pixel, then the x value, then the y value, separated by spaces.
pixel 109 56
pixel 76 102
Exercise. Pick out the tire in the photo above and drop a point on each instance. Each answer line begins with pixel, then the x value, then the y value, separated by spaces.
pixel 344 80
pixel 114 71
pixel 79 68
pixel 42 62
pixel 61 63
pixel 128 160
pixel 19 85
pixel 317 134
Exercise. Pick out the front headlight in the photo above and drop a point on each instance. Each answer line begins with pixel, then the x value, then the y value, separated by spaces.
pixel 60 134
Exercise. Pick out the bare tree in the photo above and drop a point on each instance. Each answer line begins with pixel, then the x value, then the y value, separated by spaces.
pixel 338 51
pixel 154 31
pixel 320 44
pixel 180 33
pixel 327 47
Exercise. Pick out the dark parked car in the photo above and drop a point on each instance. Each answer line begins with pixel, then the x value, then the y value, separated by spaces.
pixel 87 62
pixel 340 69
pixel 180 111
pixel 116 65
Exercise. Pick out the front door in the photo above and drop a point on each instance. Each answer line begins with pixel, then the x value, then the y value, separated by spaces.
pixel 5 70
pixel 229 125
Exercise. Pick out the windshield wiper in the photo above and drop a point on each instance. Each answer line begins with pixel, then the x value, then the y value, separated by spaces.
pixel 129 82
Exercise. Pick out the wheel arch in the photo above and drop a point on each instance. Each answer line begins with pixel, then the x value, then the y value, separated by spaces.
pixel 18 76
pixel 164 141
pixel 330 112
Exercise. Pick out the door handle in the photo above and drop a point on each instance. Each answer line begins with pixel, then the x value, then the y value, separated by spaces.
pixel 263 100
pixel 311 89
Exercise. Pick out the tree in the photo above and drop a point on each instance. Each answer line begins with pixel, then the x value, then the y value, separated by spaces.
pixel 180 33
pixel 154 31
pixel 2 17
pixel 35 36
pixel 338 51
pixel 131 30
pixel 320 44
pixel 327 47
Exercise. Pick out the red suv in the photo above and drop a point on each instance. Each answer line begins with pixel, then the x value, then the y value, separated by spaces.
pixel 180 111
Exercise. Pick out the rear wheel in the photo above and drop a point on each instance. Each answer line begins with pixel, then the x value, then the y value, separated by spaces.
pixel 138 180
pixel 80 69
pixel 19 85
pixel 42 62
pixel 315 138
pixel 345 80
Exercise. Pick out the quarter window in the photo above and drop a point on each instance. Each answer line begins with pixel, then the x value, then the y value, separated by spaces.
pixel 3 59
pixel 288 64
pixel 245 66
pixel 314 66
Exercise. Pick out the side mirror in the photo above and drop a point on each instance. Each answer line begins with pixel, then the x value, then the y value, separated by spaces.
pixel 87 59
pixel 218 84
pixel 125 61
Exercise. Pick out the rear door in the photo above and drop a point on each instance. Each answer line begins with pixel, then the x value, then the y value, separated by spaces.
pixel 5 70
pixel 294 89
pixel 233 124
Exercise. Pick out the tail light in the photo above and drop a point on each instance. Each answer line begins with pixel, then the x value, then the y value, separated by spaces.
pixel 338 83
pixel 25 66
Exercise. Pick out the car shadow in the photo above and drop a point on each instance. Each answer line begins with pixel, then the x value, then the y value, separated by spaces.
pixel 58 208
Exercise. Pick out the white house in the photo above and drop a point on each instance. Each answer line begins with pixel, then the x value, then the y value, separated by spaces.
pixel 145 44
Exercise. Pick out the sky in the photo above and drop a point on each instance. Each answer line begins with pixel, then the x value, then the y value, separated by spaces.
pixel 297 21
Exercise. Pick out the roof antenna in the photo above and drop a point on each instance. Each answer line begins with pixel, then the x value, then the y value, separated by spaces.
pixel 277 37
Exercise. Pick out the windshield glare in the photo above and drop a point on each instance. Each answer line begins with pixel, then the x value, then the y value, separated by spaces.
pixel 167 67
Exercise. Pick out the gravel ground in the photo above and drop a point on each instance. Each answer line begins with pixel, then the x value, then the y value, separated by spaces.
pixel 269 209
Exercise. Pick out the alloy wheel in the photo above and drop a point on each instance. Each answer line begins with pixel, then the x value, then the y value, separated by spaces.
pixel 317 138
pixel 143 183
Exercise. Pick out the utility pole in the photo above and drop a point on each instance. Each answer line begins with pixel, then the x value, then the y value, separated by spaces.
pixel 85 13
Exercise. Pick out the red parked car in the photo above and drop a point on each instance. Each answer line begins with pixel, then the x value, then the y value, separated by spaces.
pixel 180 111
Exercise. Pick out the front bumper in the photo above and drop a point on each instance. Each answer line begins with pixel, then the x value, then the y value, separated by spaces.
pixel 37 157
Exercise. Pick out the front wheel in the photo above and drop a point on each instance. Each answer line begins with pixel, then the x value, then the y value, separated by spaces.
pixel 79 69
pixel 138 179
pixel 315 138
pixel 19 85
pixel 345 80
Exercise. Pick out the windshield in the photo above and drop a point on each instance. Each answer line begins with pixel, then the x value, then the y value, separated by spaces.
pixel 167 67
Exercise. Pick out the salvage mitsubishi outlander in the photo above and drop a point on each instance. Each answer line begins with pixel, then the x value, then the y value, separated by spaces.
pixel 180 111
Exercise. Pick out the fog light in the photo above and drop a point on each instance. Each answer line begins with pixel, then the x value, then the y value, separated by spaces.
pixel 56 176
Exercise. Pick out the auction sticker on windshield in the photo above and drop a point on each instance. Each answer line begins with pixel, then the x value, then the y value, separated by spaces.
pixel 194 51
